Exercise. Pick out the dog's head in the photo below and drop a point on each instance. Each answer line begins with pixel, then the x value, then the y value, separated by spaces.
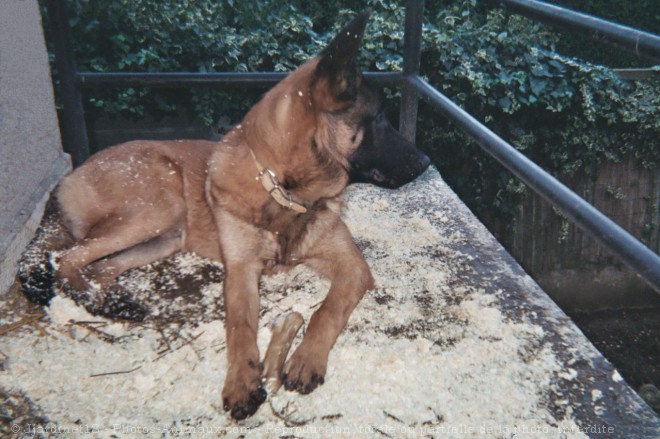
pixel 324 107
pixel 369 147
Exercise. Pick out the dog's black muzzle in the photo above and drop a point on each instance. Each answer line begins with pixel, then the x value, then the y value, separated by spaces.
pixel 385 158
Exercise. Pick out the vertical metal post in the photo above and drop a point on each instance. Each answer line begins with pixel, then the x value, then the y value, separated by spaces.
pixel 72 123
pixel 412 53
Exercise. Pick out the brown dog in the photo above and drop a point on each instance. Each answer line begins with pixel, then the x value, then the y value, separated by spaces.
pixel 265 197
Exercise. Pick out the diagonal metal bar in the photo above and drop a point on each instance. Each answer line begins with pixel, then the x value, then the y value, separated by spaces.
pixel 613 237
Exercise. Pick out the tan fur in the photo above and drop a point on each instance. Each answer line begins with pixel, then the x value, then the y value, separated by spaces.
pixel 140 201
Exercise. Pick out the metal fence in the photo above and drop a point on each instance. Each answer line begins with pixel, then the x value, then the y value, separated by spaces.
pixel 629 250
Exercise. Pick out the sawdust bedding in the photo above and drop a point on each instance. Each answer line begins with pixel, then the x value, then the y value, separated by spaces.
pixel 425 354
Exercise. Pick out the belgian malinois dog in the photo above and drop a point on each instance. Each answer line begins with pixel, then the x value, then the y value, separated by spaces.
pixel 265 197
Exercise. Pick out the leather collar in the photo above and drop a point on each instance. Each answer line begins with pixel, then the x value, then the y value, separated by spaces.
pixel 270 182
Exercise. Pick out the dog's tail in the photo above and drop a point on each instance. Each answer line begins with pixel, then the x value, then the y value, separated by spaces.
pixel 38 279
pixel 36 269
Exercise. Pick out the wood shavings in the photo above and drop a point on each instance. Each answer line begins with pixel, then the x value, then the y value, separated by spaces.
pixel 430 352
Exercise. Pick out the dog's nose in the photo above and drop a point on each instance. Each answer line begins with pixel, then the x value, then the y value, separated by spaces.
pixel 419 162
pixel 424 162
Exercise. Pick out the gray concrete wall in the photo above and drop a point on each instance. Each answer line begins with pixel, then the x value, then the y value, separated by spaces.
pixel 31 157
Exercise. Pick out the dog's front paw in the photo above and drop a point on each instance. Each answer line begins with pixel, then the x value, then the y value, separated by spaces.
pixel 243 393
pixel 304 371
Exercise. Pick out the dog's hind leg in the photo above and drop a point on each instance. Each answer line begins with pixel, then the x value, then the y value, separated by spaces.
pixel 105 272
pixel 113 235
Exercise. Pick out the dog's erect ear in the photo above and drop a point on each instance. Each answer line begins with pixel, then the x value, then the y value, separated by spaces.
pixel 343 49
pixel 337 77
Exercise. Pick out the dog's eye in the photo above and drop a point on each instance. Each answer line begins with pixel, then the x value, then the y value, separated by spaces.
pixel 357 137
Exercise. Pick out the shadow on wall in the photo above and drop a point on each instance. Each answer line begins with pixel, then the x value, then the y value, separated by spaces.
pixel 597 289
pixel 573 268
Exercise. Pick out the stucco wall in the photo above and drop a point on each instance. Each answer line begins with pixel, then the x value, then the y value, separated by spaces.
pixel 31 157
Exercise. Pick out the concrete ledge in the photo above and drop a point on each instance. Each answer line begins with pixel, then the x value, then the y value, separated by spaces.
pixel 18 227
pixel 455 341
pixel 31 157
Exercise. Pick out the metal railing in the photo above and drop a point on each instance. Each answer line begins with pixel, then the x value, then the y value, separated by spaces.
pixel 629 250
pixel 640 43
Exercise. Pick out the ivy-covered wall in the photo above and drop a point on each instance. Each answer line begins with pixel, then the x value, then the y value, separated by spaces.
pixel 567 115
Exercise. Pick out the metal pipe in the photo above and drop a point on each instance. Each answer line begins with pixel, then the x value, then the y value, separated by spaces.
pixel 193 79
pixel 74 130
pixel 643 44
pixel 632 252
pixel 412 55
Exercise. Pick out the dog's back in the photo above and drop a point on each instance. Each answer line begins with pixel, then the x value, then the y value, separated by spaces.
pixel 132 193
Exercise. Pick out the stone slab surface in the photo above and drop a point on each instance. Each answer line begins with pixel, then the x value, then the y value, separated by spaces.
pixel 455 341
